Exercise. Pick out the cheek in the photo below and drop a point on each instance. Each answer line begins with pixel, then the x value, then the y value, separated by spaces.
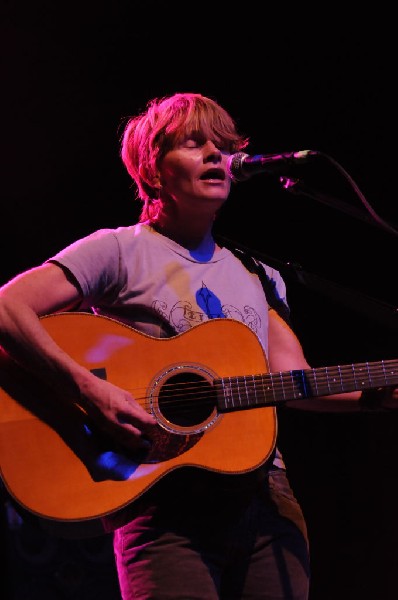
pixel 175 164
pixel 175 173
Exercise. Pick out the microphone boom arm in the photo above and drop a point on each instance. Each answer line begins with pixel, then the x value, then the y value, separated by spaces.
pixel 294 186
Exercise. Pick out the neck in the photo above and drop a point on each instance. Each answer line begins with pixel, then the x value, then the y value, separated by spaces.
pixel 200 245
pixel 192 234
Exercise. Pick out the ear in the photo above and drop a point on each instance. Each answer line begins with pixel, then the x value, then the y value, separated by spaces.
pixel 155 180
pixel 156 183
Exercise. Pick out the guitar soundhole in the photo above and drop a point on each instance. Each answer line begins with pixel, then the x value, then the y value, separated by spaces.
pixel 187 399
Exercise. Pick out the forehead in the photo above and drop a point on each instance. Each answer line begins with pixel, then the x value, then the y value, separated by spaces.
pixel 191 128
pixel 197 120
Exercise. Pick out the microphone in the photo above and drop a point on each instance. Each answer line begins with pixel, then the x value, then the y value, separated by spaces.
pixel 241 166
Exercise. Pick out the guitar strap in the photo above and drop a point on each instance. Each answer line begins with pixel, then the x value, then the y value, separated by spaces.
pixel 274 301
pixel 271 294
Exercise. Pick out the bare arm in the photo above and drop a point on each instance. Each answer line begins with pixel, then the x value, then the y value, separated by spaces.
pixel 286 353
pixel 45 290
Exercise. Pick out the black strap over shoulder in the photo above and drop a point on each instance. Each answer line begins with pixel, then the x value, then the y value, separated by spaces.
pixel 271 294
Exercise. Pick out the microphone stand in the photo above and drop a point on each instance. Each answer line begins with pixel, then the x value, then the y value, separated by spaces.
pixel 377 310
pixel 294 186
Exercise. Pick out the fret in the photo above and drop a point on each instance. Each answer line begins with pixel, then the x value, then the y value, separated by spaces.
pixel 282 386
pixel 292 382
pixel 368 372
pixel 247 403
pixel 355 385
pixel 341 379
pixel 270 389
pixel 238 393
pixel 301 383
pixel 226 395
pixel 255 390
pixel 384 371
pixel 271 377
pixel 334 380
pixel 364 379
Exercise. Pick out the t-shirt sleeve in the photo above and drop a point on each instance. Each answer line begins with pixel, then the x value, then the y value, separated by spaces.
pixel 95 263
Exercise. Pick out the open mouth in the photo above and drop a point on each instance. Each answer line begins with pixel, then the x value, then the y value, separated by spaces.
pixel 213 174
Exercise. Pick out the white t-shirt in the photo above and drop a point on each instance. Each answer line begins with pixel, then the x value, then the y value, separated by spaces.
pixel 142 278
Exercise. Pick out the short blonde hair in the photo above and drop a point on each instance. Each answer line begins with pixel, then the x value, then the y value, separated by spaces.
pixel 166 121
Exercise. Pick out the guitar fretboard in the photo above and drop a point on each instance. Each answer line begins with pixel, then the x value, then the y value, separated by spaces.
pixel 251 391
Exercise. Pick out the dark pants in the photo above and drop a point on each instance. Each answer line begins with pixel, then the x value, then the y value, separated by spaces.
pixel 236 541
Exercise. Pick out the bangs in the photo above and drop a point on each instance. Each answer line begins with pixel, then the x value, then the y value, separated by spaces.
pixel 199 116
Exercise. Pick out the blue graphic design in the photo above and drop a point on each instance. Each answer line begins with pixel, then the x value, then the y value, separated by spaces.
pixel 209 303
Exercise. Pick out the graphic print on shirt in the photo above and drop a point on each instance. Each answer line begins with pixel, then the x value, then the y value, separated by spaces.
pixel 184 315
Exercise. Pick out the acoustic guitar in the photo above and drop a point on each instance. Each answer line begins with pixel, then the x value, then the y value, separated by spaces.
pixel 209 389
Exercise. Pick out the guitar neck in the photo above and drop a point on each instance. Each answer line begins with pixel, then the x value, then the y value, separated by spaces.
pixel 270 389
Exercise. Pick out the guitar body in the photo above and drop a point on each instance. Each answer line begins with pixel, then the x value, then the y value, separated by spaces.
pixel 56 465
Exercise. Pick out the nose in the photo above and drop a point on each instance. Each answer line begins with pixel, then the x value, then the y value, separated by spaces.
pixel 212 153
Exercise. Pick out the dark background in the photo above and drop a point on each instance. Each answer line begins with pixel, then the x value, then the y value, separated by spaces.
pixel 293 81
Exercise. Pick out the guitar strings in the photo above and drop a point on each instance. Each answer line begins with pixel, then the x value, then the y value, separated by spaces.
pixel 271 388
